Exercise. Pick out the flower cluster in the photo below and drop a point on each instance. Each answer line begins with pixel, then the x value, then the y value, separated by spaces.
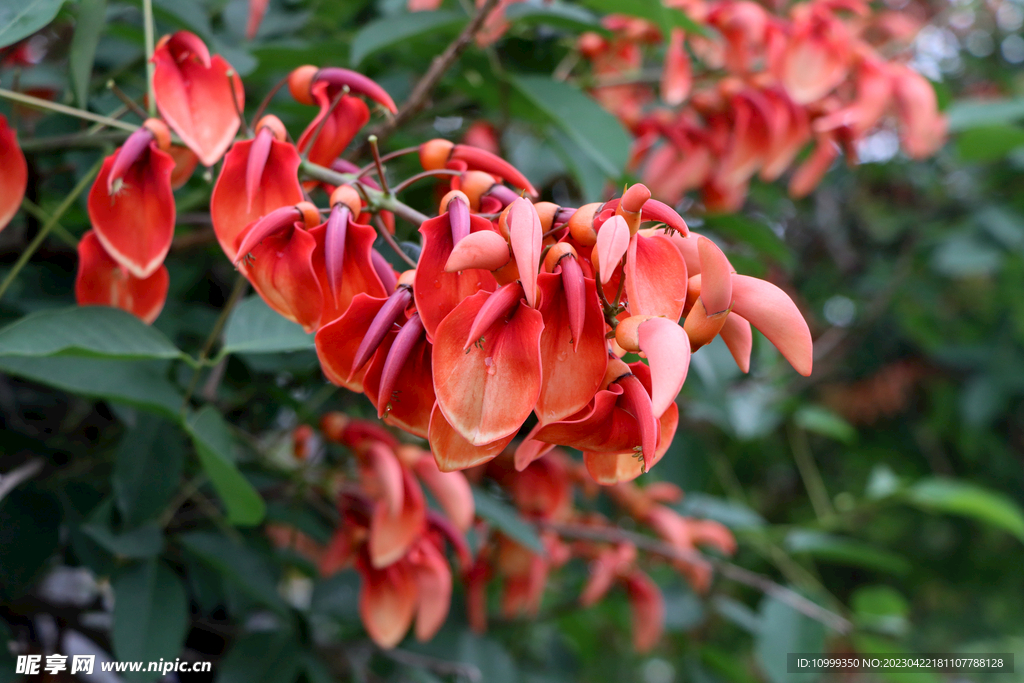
pixel 748 96
pixel 399 545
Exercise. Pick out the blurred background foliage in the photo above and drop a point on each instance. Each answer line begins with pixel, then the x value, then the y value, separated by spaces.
pixel 888 486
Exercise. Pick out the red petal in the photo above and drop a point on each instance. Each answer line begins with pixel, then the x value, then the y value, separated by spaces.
pixel 436 291
pixel 771 311
pixel 101 282
pixel 715 277
pixel 409 400
pixel 570 376
pixel 613 468
pixel 387 602
pixel 338 341
pixel 655 277
pixel 668 351
pixel 737 336
pixel 281 271
pixel 257 8
pixel 358 274
pixel 357 83
pixel 185 162
pixel 601 426
pixel 345 120
pixel 195 99
pixel 452 451
pixel 484 249
pixel 482 160
pixel 385 473
pixel 136 225
pixel 677 76
pixel 525 237
pixel 434 584
pixel 488 392
pixel 391 535
pixel 451 489
pixel 278 186
pixel 612 242
pixel 648 607
pixel 12 160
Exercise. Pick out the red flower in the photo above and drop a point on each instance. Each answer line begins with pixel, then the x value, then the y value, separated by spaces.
pixel 12 189
pixel 102 282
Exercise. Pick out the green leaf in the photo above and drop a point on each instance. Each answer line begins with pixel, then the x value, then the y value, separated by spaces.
pixel 554 14
pixel 267 657
pixel 584 121
pixel 214 446
pixel 138 543
pixel 29 534
pixel 830 548
pixel 823 421
pixel 730 513
pixel 91 19
pixel 784 630
pixel 138 383
pixel 238 563
pixel 755 233
pixel 85 330
pixel 507 520
pixel 147 469
pixel 254 327
pixel 654 11
pixel 401 28
pixel 968 500
pixel 989 143
pixel 881 608
pixel 967 114
pixel 151 615
pixel 21 19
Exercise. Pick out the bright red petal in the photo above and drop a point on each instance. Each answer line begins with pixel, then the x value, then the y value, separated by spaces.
pixel 655 277
pixel 102 282
pixel 341 126
pixel 412 401
pixel 12 161
pixel 452 451
pixel 338 341
pixel 358 274
pixel 281 271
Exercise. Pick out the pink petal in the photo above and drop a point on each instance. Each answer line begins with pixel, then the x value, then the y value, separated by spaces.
pixel 771 311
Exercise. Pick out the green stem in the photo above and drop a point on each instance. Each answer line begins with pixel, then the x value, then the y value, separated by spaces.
pixel 48 226
pixel 37 212
pixel 62 109
pixel 813 482
pixel 378 200
pixel 236 294
pixel 147 27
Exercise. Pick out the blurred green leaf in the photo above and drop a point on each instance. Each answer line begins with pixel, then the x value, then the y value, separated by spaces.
pixel 989 143
pixel 598 133
pixel 151 615
pixel 821 420
pixel 755 233
pixel 784 630
pixel 91 19
pixel 85 330
pixel 254 327
pixel 881 608
pixel 30 523
pixel 967 114
pixel 240 564
pixel 147 469
pixel 507 520
pixel 554 14
pixel 654 11
pixel 401 28
pixel 829 547
pixel 730 513
pixel 141 542
pixel 267 657
pixel 21 19
pixel 214 446
pixel 968 500
pixel 138 383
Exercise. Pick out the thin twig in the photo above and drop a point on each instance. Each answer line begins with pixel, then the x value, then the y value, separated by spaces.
pixel 37 212
pixel 62 143
pixel 320 126
pixel 441 667
pixel 238 105
pixel 421 91
pixel 387 157
pixel 727 569
pixel 48 226
pixel 128 102
pixel 381 176
pixel 236 294
pixel 426 174
pixel 40 103
pixel 147 28
pixel 266 101
pixel 376 199
pixel 390 239
pixel 21 473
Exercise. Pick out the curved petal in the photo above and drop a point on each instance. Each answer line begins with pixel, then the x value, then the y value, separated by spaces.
pixel 387 602
pixel 601 426
pixel 668 351
pixel 434 584
pixel 278 186
pixel 608 469
pixel 438 292
pixel 737 336
pixel 412 398
pixel 341 125
pixel 715 277
pixel 677 76
pixel 525 237
pixel 612 242
pixel 771 311
pixel 338 341
pixel 488 391
pixel 648 607
pixel 655 277
pixel 196 96
pixel 12 160
pixel 281 271
pixel 452 451
pixel 102 282
pixel 484 249
pixel 569 377
pixel 392 534
pixel 382 469
pixel 136 223
pixel 358 274
pixel 451 489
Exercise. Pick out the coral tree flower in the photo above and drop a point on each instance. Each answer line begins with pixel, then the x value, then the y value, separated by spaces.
pixel 258 176
pixel 199 95
pixel 12 160
pixel 101 281
pixel 341 114
pixel 131 204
